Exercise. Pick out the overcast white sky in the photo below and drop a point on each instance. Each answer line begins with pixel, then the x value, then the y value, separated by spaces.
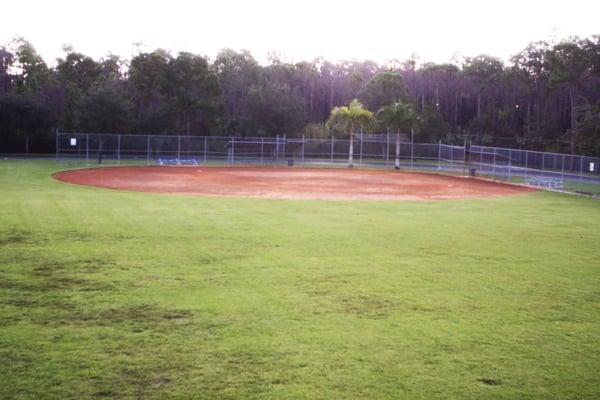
pixel 298 30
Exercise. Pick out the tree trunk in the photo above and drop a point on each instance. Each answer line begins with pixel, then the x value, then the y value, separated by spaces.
pixel 479 132
pixel 573 103
pixel 351 149
pixel 528 126
pixel 100 150
pixel 537 108
pixel 331 94
pixel 397 162
pixel 455 111
pixel 311 97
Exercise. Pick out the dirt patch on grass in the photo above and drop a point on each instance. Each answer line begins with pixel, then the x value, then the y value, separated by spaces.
pixel 141 316
pixel 490 381
pixel 368 306
pixel 16 236
pixel 289 183
pixel 337 295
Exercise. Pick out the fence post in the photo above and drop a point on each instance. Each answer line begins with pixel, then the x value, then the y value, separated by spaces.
pixel 232 150
pixel 580 173
pixel 562 169
pixel 57 133
pixel 361 145
pixel 262 146
pixel 351 150
pixel 302 149
pixel 119 149
pixel 509 164
pixel 277 148
pixel 387 148
pixel 205 149
pixel 284 142
pixel 542 164
pixel 397 163
pixel 87 148
pixel 147 149
pixel 439 154
pixel 494 165
pixel 178 150
pixel 526 164
pixel 465 165
pixel 412 148
pixel 332 149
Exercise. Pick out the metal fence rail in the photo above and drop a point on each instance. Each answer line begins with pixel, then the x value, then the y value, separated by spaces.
pixel 566 172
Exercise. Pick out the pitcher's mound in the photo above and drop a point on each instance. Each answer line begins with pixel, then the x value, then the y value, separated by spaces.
pixel 289 183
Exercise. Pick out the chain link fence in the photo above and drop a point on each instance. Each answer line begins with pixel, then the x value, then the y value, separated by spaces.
pixel 572 173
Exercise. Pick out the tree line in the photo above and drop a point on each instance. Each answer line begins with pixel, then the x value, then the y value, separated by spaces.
pixel 546 98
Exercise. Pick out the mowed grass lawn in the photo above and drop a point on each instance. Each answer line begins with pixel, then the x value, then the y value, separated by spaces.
pixel 132 295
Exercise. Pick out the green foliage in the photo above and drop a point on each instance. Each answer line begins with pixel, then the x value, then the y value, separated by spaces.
pixel 398 116
pixel 592 50
pixel 483 70
pixel 6 61
pixel 567 61
pixel 440 74
pixel 261 100
pixel 272 110
pixel 532 62
pixel 178 94
pixel 385 88
pixel 76 74
pixel 316 131
pixel 588 134
pixel 193 92
pixel 347 119
pixel 106 108
pixel 25 116
pixel 432 126
pixel 148 77
pixel 522 103
pixel 34 71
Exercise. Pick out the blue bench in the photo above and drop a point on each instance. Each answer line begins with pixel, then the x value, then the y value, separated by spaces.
pixel 177 161
pixel 545 182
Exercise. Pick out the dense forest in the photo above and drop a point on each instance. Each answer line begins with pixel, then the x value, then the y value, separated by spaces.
pixel 546 98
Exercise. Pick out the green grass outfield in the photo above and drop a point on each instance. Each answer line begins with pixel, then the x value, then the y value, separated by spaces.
pixel 133 295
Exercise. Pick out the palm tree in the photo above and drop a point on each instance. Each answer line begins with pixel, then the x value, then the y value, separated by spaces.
pixel 398 116
pixel 348 119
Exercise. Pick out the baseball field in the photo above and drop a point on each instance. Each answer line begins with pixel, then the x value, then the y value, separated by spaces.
pixel 125 294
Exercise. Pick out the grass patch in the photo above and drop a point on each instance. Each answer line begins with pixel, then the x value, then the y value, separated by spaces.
pixel 107 294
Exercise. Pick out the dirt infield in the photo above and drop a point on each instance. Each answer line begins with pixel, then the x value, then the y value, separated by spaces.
pixel 289 183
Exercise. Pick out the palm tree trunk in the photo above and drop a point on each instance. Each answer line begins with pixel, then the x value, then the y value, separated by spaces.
pixel 397 162
pixel 351 149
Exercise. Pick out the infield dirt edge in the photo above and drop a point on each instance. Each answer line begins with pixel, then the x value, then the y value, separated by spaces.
pixel 418 185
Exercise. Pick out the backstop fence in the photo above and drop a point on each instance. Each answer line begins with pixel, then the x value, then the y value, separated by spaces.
pixel 574 173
